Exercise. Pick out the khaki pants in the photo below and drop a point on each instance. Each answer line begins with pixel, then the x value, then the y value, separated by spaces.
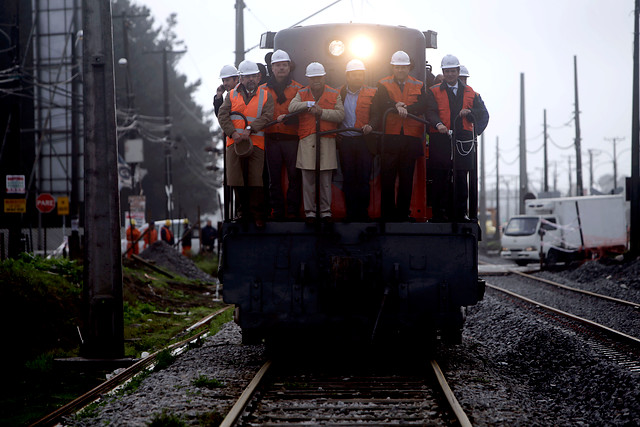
pixel 309 192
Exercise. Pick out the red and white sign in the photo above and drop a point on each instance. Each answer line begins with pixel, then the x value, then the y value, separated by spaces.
pixel 15 184
pixel 45 203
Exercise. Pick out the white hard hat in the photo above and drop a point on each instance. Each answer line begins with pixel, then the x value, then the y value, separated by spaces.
pixel 449 61
pixel 355 65
pixel 400 58
pixel 280 56
pixel 228 71
pixel 463 71
pixel 315 69
pixel 248 68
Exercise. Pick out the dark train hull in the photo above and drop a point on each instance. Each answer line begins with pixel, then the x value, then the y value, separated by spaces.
pixel 364 279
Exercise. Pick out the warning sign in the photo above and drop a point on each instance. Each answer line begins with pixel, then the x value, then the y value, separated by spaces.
pixel 15 184
pixel 63 205
pixel 15 205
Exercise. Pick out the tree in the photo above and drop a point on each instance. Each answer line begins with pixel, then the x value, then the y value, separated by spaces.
pixel 194 185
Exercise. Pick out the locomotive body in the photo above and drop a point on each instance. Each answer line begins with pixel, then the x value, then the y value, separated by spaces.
pixel 371 279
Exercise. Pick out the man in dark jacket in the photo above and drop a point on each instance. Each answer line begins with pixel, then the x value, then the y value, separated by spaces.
pixel 209 234
pixel 459 116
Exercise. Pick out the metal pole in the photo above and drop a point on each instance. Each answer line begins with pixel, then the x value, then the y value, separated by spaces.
pixel 579 189
pixel 167 136
pixel 523 148
pixel 239 32
pixel 590 170
pixel 104 333
pixel 483 193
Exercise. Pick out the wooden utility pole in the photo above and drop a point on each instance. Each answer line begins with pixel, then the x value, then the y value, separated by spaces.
pixel 579 188
pixel 483 194
pixel 634 242
pixel 497 185
pixel 545 186
pixel 523 148
pixel 104 331
pixel 615 160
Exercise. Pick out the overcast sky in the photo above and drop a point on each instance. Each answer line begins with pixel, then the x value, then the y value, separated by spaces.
pixel 496 39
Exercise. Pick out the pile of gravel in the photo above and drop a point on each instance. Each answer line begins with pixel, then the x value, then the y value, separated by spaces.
pixel 166 256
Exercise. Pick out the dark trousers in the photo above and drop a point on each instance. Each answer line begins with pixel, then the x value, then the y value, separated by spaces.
pixel 446 204
pixel 249 201
pixel 283 153
pixel 398 160
pixel 355 161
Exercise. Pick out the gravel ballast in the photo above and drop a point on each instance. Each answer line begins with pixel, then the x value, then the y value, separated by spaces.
pixel 513 368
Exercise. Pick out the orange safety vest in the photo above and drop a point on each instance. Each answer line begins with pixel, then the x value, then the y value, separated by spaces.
pixel 278 109
pixel 363 105
pixel 166 234
pixel 328 100
pixel 251 111
pixel 409 95
pixel 133 234
pixel 151 237
pixel 442 99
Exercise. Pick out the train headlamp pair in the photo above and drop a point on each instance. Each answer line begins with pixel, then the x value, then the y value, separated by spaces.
pixel 361 47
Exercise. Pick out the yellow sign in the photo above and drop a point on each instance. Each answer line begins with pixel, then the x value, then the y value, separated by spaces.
pixel 63 205
pixel 15 205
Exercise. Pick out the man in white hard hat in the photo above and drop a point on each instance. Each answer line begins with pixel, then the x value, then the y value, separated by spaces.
pixel 464 74
pixel 229 76
pixel 404 137
pixel 244 166
pixel 281 140
pixel 459 116
pixel 355 157
pixel 318 102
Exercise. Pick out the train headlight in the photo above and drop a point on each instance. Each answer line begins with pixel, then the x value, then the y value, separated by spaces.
pixel 361 47
pixel 336 47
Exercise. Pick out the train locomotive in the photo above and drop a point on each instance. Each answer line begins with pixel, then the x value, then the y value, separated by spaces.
pixel 363 280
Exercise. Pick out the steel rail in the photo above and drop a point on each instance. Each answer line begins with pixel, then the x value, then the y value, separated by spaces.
pixel 463 420
pixel 235 412
pixel 620 336
pixel 568 288
pixel 123 376
pixel 581 291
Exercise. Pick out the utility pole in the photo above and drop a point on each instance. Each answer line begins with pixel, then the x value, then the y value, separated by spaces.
pixel 615 160
pixel 483 194
pixel 555 176
pixel 545 186
pixel 497 185
pixel 590 170
pixel 239 31
pixel 634 240
pixel 523 148
pixel 104 333
pixel 579 189
pixel 570 182
pixel 168 180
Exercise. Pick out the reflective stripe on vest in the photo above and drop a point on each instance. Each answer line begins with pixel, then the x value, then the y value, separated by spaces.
pixel 278 109
pixel 307 125
pixel 442 99
pixel 409 96
pixel 251 111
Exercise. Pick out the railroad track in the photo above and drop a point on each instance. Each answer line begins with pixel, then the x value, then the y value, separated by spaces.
pixel 129 372
pixel 345 396
pixel 617 346
pixel 632 304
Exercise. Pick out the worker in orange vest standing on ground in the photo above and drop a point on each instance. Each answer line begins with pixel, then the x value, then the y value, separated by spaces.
pixel 151 235
pixel 133 234
pixel 165 233
pixel 187 235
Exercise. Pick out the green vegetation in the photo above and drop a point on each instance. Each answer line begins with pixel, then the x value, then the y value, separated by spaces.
pixel 207 263
pixel 210 383
pixel 165 419
pixel 210 419
pixel 44 314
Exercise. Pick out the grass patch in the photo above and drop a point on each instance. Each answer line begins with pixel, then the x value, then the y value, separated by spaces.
pixel 207 263
pixel 210 419
pixel 166 419
pixel 210 383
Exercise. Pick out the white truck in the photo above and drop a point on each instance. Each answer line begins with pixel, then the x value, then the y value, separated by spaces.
pixel 565 229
